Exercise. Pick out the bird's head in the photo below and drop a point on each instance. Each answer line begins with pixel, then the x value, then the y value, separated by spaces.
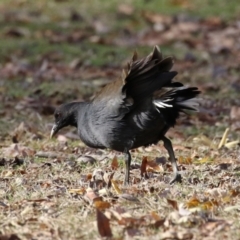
pixel 65 115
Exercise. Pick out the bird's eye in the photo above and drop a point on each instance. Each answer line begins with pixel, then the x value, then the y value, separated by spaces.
pixel 57 115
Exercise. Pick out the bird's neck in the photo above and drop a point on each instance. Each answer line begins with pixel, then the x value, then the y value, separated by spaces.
pixel 76 109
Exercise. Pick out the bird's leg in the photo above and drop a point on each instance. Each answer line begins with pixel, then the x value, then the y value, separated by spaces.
pixel 127 166
pixel 168 145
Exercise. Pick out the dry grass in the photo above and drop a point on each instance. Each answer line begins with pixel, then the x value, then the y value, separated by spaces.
pixel 57 197
pixel 61 189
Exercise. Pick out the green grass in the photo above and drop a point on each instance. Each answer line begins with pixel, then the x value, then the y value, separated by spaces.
pixel 60 9
pixel 51 15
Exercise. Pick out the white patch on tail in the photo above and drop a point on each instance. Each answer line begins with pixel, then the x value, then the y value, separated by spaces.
pixel 190 103
pixel 162 104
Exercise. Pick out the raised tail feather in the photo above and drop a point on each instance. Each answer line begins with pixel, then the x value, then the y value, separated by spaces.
pixel 151 77
pixel 172 102
pixel 145 76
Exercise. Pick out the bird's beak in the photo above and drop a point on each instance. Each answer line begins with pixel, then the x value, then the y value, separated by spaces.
pixel 54 130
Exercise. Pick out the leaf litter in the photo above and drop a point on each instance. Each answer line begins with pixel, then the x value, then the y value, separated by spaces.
pixel 63 190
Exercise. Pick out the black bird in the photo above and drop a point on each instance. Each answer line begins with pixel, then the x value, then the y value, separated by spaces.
pixel 135 110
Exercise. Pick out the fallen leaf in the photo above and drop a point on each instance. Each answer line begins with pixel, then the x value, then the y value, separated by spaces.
pixel 116 187
pixel 187 160
pixel 79 191
pixel 114 164
pixel 173 203
pixel 144 166
pixel 103 224
pixel 224 138
pixel 153 166
pixel 204 160
pixel 101 205
pixel 9 237
pixel 193 202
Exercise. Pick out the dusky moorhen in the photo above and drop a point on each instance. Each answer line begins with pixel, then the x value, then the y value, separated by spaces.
pixel 135 110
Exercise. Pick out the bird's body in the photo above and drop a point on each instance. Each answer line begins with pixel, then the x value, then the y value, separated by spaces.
pixel 101 130
pixel 135 110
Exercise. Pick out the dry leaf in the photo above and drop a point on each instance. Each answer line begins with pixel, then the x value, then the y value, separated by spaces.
pixel 187 160
pixel 204 160
pixel 108 178
pixel 153 166
pixel 114 164
pixel 101 205
pixel 173 203
pixel 103 224
pixel 9 237
pixel 116 187
pixel 193 202
pixel 224 139
pixel 232 144
pixel 155 216
pixel 206 205
pixel 144 166
pixel 15 150
pixel 79 191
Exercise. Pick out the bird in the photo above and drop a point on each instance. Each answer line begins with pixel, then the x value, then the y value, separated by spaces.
pixel 137 109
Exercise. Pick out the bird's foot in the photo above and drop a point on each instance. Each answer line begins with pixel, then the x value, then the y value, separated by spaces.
pixel 177 178
pixel 126 182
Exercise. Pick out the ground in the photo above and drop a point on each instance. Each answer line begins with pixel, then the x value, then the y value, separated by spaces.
pixel 54 52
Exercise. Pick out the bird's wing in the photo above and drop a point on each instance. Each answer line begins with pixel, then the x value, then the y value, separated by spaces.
pixel 145 76
pixel 139 81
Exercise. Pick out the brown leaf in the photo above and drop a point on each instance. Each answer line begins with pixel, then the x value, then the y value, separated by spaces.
pixel 101 205
pixel 103 225
pixel 234 192
pixel 144 166
pixel 153 166
pixel 187 160
pixel 116 187
pixel 231 194
pixel 9 237
pixel 209 204
pixel 159 221
pixel 15 150
pixel 193 202
pixel 155 216
pixel 114 164
pixel 79 191
pixel 173 203
pixel 107 177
